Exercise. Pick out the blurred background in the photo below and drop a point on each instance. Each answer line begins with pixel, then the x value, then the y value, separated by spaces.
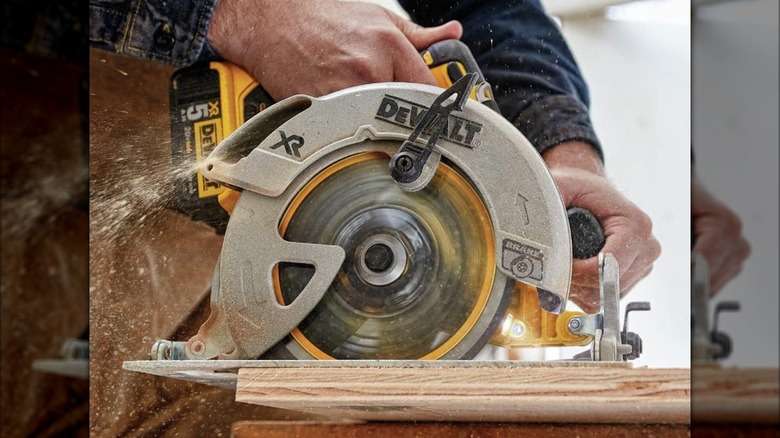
pixel 44 181
pixel 735 135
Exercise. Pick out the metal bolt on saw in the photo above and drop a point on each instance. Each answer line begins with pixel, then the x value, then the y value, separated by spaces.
pixel 351 240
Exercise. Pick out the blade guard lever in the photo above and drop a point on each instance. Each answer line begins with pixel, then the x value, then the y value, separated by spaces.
pixel 410 166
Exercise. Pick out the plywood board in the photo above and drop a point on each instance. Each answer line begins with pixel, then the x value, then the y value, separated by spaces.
pixel 509 393
pixel 224 373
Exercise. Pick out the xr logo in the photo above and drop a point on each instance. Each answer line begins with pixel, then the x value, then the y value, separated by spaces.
pixel 291 144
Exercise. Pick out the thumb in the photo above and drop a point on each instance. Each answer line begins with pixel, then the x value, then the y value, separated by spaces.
pixel 422 37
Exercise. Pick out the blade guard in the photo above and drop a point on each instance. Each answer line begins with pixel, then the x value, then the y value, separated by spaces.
pixel 275 153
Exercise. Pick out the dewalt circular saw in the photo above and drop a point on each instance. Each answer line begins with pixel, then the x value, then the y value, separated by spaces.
pixel 394 221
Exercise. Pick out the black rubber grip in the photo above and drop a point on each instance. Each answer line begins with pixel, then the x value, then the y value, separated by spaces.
pixel 587 236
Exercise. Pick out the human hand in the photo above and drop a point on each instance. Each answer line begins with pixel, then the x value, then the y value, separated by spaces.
pixel 718 236
pixel 578 171
pixel 318 47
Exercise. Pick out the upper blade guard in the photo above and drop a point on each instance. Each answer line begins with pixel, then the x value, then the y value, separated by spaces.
pixel 302 134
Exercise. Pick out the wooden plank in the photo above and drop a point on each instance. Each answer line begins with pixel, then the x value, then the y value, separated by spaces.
pixel 735 395
pixel 224 373
pixel 283 429
pixel 511 393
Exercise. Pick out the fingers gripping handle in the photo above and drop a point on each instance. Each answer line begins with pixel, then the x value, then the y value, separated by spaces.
pixel 587 236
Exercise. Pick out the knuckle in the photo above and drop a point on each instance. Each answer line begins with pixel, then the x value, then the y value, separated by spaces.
pixel 645 225
pixel 363 69
pixel 391 37
pixel 654 251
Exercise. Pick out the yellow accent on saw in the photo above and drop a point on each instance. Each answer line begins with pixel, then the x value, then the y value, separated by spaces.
pixel 234 85
pixel 527 325
pixel 227 199
pixel 443 79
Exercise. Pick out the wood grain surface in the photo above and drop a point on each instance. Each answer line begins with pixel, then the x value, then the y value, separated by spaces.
pixel 475 394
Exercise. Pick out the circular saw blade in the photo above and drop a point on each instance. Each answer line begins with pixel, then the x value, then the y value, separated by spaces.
pixel 419 267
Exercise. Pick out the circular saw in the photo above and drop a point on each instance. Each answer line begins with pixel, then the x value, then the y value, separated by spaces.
pixel 392 221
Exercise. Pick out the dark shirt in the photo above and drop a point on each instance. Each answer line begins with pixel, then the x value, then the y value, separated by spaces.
pixel 524 56
pixel 520 50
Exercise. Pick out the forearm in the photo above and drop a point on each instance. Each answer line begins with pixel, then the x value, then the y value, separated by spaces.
pixel 522 53
pixel 574 154
pixel 173 32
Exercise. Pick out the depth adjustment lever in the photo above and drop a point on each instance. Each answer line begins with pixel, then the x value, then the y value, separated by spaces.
pixel 610 343
pixel 414 165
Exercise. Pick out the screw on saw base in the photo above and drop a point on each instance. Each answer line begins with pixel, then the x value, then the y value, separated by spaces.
pixel 575 324
pixel 197 347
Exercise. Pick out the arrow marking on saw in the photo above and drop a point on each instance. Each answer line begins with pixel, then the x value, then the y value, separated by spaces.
pixel 520 202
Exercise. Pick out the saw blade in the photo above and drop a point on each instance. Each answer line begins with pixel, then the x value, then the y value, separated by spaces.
pixel 419 267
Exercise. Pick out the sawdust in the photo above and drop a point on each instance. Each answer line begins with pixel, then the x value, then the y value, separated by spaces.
pixel 126 201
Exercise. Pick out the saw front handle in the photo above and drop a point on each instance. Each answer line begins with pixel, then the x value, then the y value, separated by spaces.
pixel 587 236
